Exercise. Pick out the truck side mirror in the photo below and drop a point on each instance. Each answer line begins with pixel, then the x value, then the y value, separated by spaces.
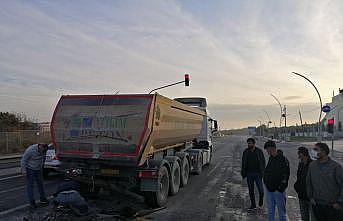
pixel 215 125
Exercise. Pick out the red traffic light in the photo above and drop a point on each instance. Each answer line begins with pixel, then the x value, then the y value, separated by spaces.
pixel 186 80
pixel 331 121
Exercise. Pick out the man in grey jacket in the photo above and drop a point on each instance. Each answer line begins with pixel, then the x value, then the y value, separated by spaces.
pixel 32 164
pixel 325 185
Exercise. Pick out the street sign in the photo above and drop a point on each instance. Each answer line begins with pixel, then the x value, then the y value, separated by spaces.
pixel 326 109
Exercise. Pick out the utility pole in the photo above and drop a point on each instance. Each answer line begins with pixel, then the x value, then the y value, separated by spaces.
pixel 260 127
pixel 301 122
pixel 279 103
pixel 285 116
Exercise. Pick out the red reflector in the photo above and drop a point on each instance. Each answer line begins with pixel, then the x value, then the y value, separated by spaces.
pixel 55 157
pixel 186 75
pixel 331 121
pixel 147 174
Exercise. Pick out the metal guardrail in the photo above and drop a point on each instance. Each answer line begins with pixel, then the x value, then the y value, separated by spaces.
pixel 11 161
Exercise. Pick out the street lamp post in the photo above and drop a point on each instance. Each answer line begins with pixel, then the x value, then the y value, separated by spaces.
pixel 320 100
pixel 260 127
pixel 277 100
pixel 281 112
pixel 269 120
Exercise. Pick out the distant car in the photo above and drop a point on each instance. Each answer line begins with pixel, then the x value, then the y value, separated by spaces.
pixel 52 163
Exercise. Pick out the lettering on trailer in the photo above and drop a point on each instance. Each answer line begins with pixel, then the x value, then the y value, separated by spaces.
pixel 97 126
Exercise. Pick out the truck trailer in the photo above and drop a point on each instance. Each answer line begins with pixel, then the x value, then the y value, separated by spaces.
pixel 145 143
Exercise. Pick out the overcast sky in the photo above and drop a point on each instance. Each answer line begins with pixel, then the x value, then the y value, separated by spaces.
pixel 236 52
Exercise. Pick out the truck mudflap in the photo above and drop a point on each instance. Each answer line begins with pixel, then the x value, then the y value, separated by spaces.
pixel 149 176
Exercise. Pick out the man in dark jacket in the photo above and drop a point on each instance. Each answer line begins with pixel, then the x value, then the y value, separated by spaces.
pixel 300 185
pixel 275 178
pixel 253 164
pixel 325 185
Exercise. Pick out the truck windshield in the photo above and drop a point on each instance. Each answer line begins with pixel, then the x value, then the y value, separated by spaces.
pixel 100 124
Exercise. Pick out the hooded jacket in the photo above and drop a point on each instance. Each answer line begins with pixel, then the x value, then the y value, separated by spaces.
pixel 261 160
pixel 277 173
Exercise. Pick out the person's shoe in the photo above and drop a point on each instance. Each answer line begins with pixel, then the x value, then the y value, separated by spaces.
pixel 260 202
pixel 44 202
pixel 252 209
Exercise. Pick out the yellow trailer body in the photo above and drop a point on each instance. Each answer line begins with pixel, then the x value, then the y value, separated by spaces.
pixel 122 128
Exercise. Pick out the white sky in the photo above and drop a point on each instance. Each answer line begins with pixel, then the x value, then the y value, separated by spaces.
pixel 237 53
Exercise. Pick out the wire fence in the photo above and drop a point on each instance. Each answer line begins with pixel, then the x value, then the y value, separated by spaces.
pixel 16 142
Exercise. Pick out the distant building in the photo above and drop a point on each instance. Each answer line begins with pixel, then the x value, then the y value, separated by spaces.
pixel 336 113
pixel 44 127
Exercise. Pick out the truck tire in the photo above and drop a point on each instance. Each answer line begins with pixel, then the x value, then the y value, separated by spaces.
pixel 175 175
pixel 159 198
pixel 185 169
pixel 198 170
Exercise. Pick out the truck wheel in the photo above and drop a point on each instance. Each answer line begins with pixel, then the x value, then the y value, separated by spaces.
pixel 159 198
pixel 199 166
pixel 184 172
pixel 175 179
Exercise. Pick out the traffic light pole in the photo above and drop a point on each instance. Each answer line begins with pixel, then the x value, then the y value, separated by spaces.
pixel 169 85
pixel 332 141
pixel 186 81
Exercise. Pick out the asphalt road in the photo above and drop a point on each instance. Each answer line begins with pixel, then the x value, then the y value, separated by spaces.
pixel 219 193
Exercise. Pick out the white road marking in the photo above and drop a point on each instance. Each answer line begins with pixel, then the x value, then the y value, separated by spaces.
pixel 3 213
pixel 6 212
pixel 11 177
pixel 13 189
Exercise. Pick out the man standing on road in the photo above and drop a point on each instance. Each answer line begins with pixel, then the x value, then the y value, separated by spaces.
pixel 275 178
pixel 325 185
pixel 253 164
pixel 300 185
pixel 32 164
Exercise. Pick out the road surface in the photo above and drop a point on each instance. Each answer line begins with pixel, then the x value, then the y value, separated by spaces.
pixel 219 193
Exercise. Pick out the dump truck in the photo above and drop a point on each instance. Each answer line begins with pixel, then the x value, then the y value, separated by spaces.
pixel 146 143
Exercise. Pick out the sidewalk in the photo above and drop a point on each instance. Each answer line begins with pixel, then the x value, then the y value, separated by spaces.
pixel 338 144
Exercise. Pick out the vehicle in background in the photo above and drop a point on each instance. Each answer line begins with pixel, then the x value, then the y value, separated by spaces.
pixel 144 143
pixel 252 131
pixel 51 164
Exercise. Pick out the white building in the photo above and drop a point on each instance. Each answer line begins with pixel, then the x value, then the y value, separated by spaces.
pixel 336 113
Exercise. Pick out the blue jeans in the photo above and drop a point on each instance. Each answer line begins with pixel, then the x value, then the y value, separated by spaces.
pixel 32 177
pixel 276 199
pixel 251 179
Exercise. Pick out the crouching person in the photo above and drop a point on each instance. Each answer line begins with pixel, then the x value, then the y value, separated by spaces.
pixel 67 195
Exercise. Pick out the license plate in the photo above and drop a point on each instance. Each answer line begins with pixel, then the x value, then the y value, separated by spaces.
pixel 110 172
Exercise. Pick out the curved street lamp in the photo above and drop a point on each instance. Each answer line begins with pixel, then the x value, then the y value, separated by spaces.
pixel 277 100
pixel 320 100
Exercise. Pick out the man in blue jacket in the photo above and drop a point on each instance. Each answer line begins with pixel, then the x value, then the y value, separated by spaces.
pixel 32 163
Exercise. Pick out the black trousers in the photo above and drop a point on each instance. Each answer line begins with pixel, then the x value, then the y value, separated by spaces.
pixel 327 213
